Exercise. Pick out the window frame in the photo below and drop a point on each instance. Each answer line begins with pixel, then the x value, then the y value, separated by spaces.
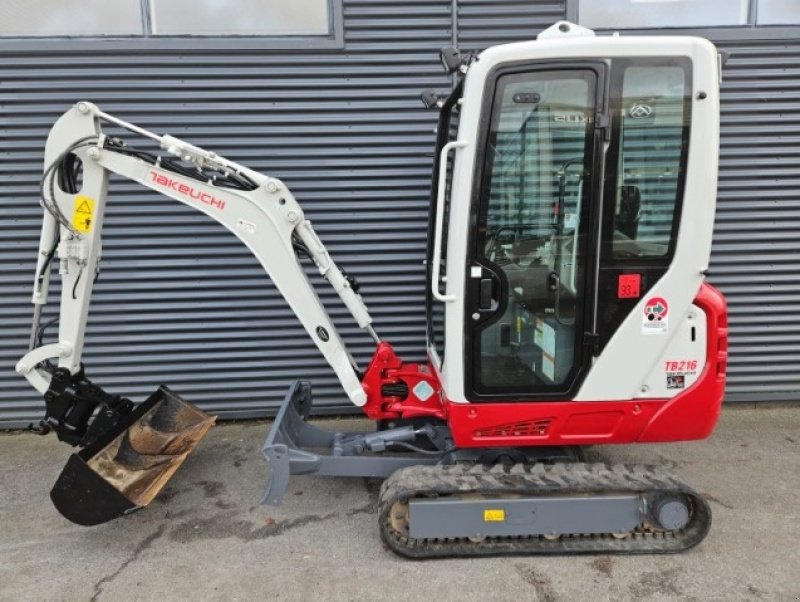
pixel 149 41
pixel 721 33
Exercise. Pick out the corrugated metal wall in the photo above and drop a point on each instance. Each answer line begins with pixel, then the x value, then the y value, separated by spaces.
pixel 180 301
pixel 484 23
pixel 755 258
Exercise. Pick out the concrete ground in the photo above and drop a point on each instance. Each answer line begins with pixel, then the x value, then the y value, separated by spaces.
pixel 205 537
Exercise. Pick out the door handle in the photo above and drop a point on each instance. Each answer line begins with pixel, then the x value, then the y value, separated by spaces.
pixel 485 290
pixel 485 301
pixel 436 257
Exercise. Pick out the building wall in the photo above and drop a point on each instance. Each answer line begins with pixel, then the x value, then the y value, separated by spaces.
pixel 180 301
pixel 755 258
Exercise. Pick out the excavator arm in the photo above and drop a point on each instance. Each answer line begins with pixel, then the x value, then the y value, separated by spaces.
pixel 260 210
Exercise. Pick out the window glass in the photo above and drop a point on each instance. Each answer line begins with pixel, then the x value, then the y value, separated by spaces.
pixel 632 14
pixel 60 18
pixel 534 194
pixel 778 12
pixel 653 130
pixel 239 17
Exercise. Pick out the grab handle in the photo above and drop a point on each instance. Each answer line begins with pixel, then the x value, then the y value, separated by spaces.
pixel 437 232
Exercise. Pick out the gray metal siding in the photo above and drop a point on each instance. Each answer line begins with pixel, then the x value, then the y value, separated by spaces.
pixel 180 301
pixel 484 23
pixel 755 259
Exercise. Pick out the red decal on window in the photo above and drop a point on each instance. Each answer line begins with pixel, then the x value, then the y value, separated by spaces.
pixel 629 286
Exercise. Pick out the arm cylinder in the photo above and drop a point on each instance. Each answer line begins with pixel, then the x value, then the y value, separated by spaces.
pixel 352 300
pixel 47 247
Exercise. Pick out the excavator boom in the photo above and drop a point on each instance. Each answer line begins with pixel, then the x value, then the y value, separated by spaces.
pixel 259 210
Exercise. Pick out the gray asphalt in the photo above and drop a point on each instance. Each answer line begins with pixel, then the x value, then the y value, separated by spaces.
pixel 206 537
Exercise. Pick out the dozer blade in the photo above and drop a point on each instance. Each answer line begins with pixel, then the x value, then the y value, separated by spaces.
pixel 126 467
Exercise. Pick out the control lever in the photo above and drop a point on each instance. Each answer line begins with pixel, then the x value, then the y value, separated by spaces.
pixel 553 282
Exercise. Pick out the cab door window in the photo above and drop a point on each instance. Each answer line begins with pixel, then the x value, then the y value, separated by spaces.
pixel 530 246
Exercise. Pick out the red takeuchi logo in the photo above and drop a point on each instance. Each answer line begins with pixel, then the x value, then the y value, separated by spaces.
pixel 188 191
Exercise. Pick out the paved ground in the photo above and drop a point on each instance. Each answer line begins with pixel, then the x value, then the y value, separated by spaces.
pixel 205 537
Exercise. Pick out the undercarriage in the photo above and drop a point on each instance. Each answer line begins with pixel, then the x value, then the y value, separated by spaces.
pixel 438 500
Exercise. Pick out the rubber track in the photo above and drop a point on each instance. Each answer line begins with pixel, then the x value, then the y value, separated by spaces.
pixel 540 480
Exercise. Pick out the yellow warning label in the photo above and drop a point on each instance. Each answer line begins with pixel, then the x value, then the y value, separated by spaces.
pixel 495 515
pixel 83 215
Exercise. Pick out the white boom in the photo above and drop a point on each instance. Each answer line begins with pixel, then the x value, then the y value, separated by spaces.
pixel 263 214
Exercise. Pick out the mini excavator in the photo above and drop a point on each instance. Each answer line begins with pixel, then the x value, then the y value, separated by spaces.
pixel 571 216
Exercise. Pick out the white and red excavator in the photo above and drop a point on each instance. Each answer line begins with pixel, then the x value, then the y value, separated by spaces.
pixel 570 227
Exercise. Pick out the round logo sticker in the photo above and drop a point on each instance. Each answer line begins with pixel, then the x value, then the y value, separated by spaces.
pixel 654 320
pixel 323 334
pixel 656 309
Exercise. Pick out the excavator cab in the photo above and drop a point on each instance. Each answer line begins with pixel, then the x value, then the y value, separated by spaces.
pixel 568 203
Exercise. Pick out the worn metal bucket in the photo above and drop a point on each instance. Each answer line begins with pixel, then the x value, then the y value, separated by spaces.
pixel 123 470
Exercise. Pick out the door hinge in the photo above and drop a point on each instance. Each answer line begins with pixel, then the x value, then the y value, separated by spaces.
pixel 592 341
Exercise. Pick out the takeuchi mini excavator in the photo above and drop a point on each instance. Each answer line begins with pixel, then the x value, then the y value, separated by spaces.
pixel 570 229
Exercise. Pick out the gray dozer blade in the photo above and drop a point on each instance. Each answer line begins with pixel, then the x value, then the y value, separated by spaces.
pixel 123 470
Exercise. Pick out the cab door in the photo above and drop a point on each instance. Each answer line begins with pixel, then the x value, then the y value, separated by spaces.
pixel 531 261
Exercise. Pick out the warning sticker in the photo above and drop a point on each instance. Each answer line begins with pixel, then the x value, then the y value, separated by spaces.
pixel 655 318
pixel 494 515
pixel 423 390
pixel 83 214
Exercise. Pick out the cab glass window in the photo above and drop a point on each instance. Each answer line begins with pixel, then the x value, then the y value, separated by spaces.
pixel 653 129
pixel 531 235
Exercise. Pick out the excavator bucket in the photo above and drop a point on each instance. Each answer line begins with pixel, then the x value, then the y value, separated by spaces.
pixel 125 468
